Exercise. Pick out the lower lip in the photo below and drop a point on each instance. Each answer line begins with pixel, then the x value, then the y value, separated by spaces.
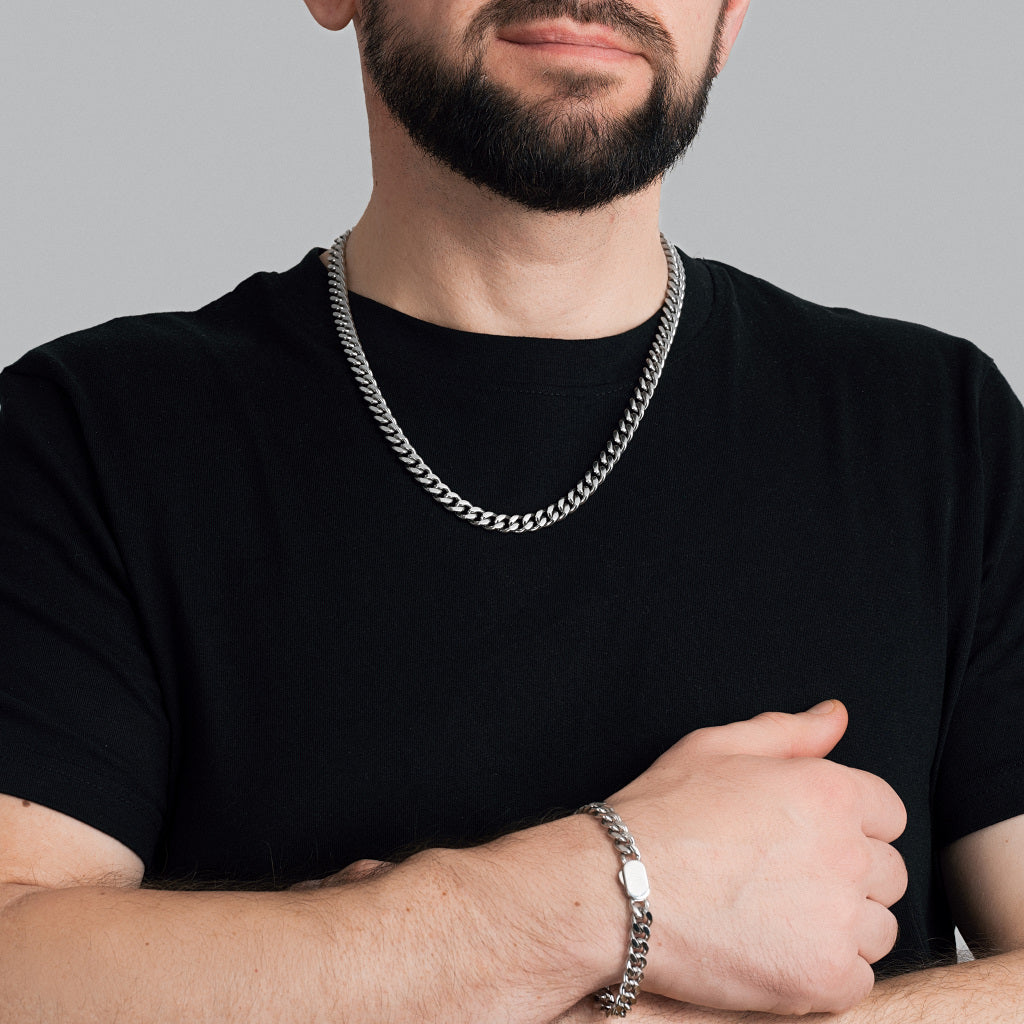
pixel 572 51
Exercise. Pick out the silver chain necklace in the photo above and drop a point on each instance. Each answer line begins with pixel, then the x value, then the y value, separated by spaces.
pixel 440 492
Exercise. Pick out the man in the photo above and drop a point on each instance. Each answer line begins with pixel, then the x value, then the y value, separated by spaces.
pixel 246 645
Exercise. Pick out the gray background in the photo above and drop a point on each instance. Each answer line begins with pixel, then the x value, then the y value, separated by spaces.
pixel 862 154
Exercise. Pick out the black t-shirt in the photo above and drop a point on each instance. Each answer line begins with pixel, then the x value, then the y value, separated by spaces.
pixel 240 638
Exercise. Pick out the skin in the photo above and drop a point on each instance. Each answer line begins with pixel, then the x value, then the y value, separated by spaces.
pixel 76 931
pixel 441 249
pixel 540 910
pixel 546 258
pixel 702 936
pixel 984 875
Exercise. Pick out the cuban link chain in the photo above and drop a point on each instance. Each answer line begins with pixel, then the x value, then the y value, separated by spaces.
pixel 610 455
pixel 633 876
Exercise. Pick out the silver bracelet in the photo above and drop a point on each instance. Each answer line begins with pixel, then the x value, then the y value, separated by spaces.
pixel 633 876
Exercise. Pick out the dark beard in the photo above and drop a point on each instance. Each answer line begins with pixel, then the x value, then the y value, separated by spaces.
pixel 555 155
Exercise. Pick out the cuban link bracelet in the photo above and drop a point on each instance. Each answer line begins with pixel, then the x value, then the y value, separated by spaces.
pixel 633 876
pixel 367 383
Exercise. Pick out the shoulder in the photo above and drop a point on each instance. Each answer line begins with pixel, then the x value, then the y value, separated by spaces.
pixel 793 327
pixel 185 358
pixel 875 366
pixel 126 345
pixel 267 307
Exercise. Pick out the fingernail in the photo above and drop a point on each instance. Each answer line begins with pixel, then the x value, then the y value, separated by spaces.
pixel 826 707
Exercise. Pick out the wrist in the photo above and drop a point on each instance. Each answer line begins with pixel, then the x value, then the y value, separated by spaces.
pixel 618 1000
pixel 553 892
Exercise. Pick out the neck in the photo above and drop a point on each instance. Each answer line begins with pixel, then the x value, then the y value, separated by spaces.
pixel 436 247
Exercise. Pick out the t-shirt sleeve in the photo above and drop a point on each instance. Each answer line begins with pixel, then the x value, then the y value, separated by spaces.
pixel 980 780
pixel 82 724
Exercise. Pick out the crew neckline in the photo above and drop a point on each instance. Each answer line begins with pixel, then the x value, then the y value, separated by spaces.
pixel 413 346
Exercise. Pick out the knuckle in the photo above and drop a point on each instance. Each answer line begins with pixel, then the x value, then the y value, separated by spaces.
pixel 844 981
pixel 825 966
pixel 817 989
pixel 855 860
pixel 699 739
pixel 891 807
pixel 898 871
pixel 892 871
pixel 789 986
pixel 899 814
pixel 840 787
pixel 774 718
pixel 826 975
pixel 853 988
pixel 792 1005
pixel 892 933
pixel 835 977
pixel 829 795
pixel 824 776
pixel 846 914
pixel 904 875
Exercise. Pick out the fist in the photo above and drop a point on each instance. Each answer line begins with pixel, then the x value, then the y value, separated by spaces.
pixel 771 868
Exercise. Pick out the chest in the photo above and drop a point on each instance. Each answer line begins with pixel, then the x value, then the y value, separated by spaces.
pixel 362 675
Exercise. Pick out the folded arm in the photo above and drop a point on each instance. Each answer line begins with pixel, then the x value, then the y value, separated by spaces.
pixel 522 929
pixel 445 936
pixel 984 875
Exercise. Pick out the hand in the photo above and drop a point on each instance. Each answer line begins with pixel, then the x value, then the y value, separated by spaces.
pixel 770 867
pixel 650 1009
pixel 357 871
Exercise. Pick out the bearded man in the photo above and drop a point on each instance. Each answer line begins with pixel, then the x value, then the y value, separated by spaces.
pixel 503 507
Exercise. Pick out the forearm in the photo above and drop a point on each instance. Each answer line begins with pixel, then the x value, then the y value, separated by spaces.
pixel 446 936
pixel 976 992
pixel 90 954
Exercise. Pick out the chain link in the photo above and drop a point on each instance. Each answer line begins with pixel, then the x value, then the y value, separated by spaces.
pixel 618 1002
pixel 440 492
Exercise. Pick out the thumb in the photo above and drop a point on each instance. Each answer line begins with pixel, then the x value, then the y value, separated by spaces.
pixel 811 733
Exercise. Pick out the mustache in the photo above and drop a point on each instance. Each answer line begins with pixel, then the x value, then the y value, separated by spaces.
pixel 620 15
